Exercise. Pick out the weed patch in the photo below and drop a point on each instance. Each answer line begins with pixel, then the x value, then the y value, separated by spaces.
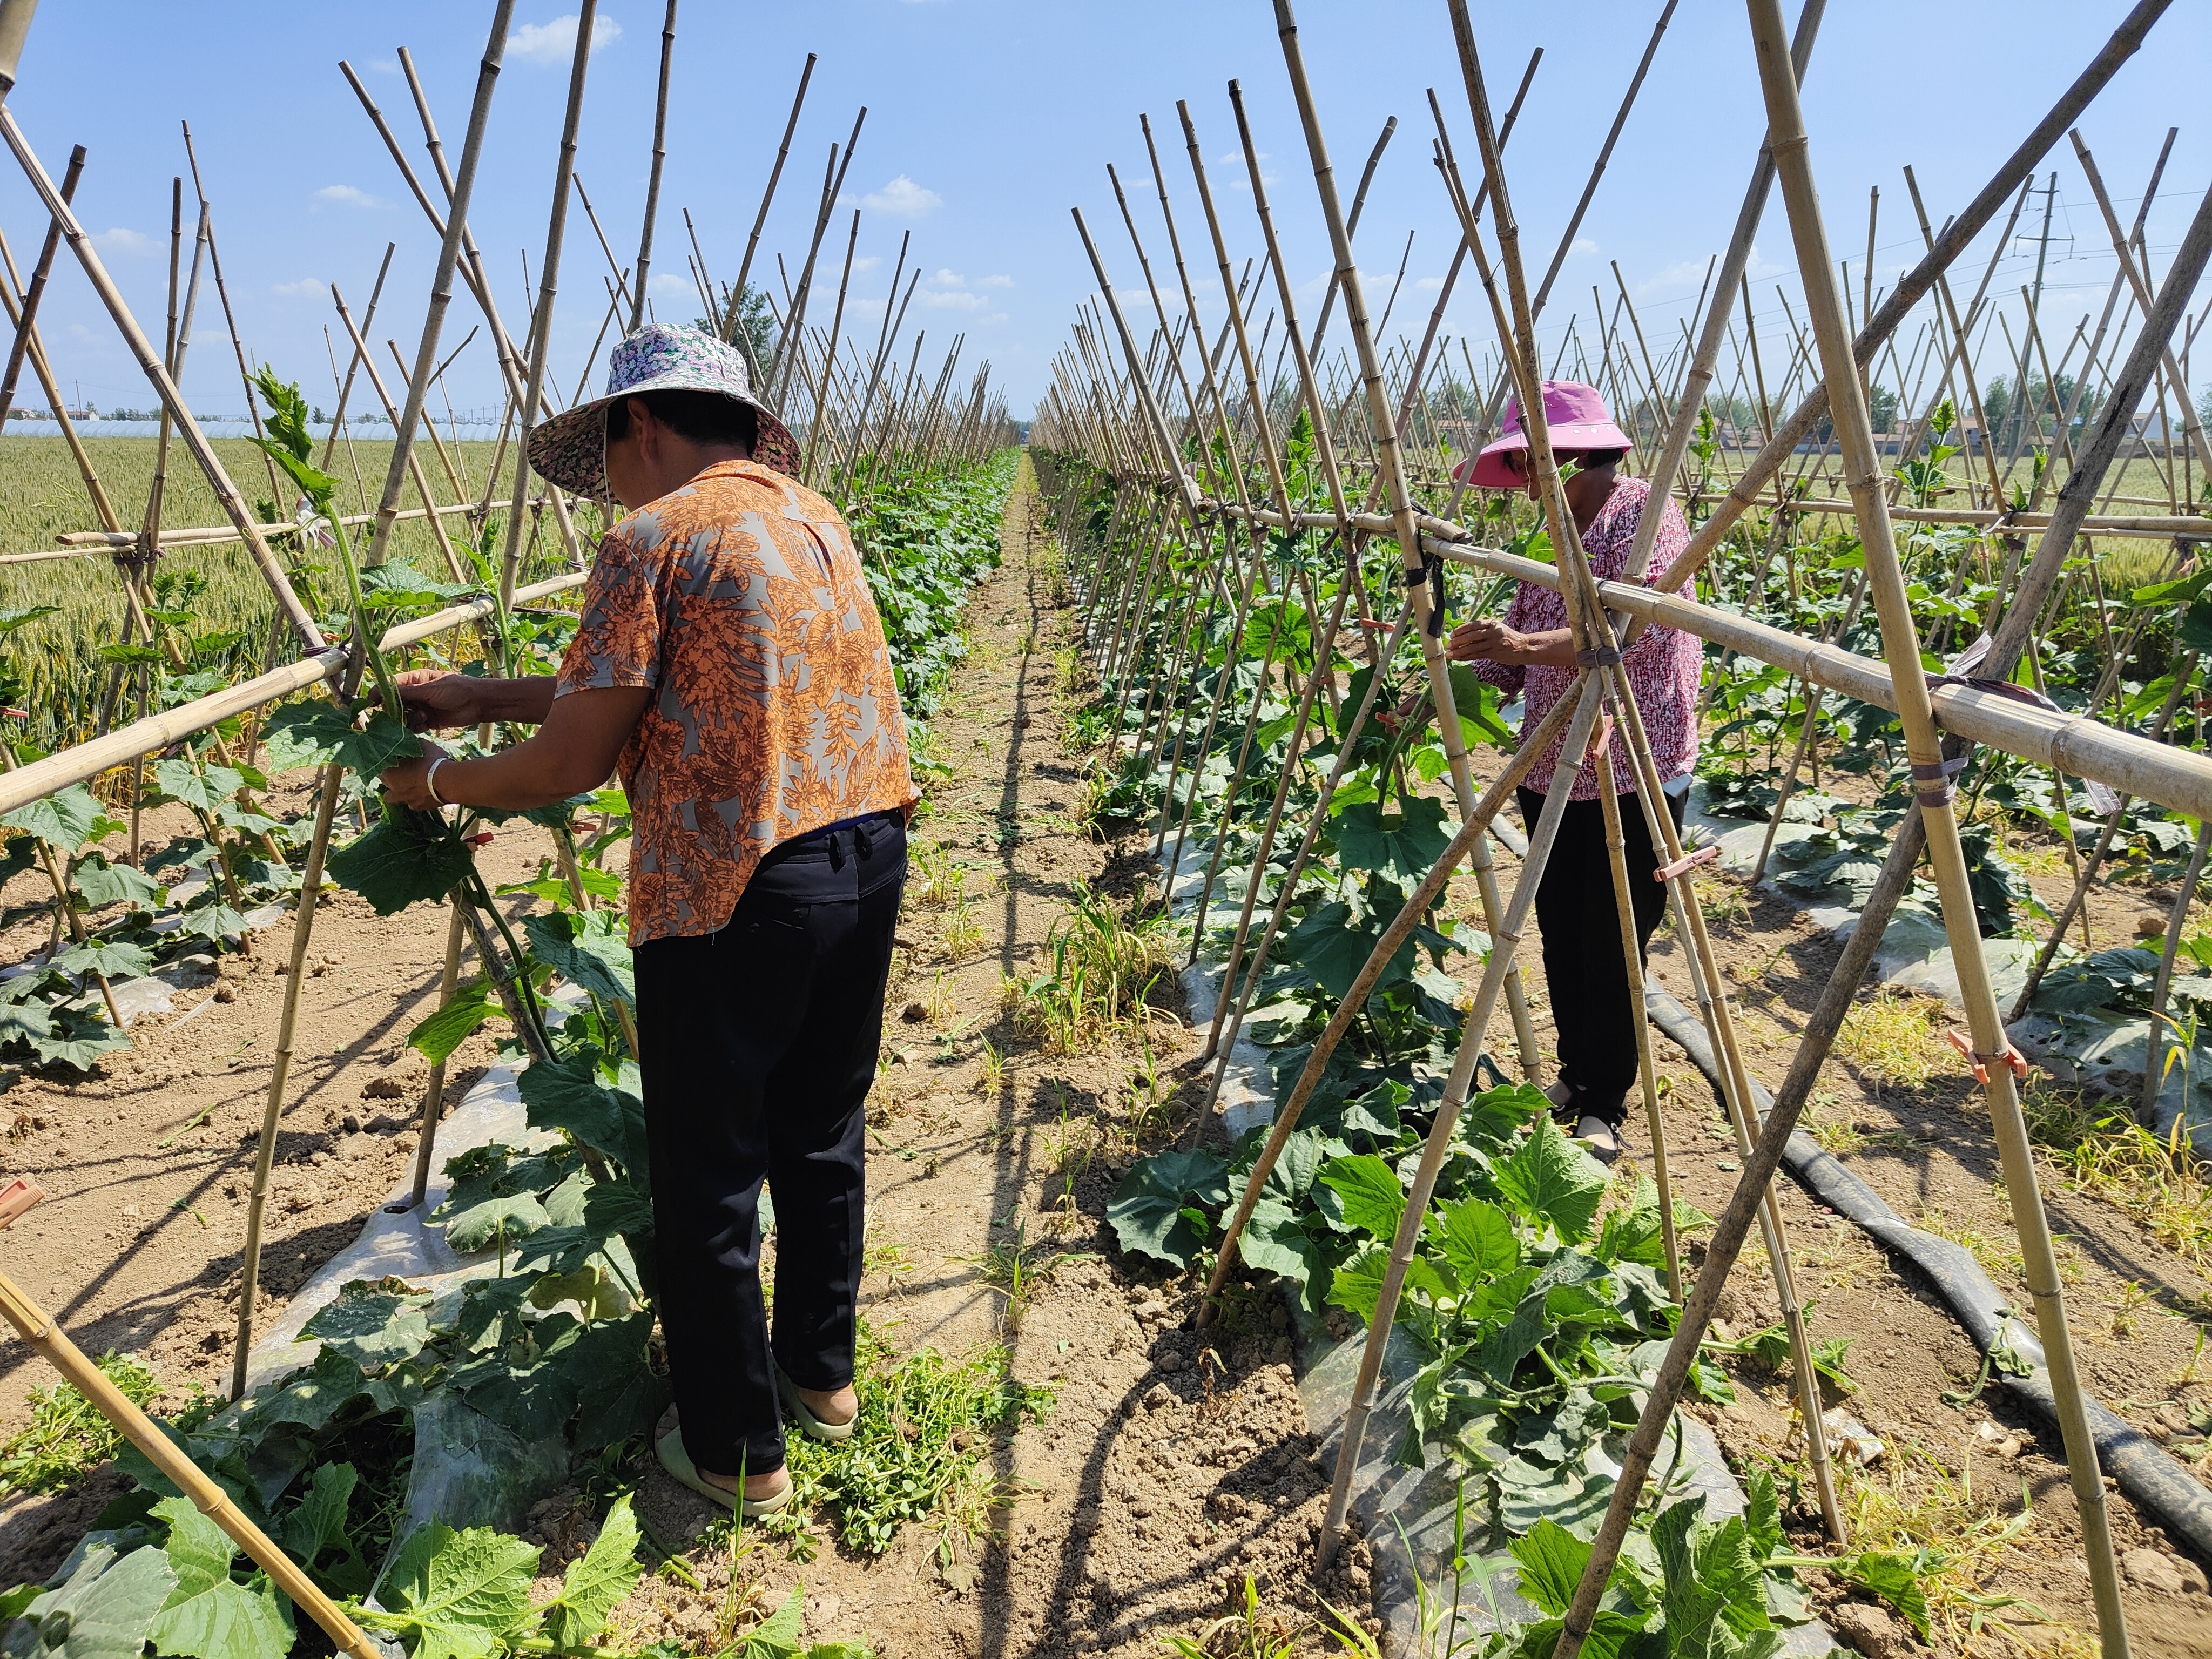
pixel 1891 1038
pixel 67 1434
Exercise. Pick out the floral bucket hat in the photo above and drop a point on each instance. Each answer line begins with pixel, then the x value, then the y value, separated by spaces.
pixel 570 450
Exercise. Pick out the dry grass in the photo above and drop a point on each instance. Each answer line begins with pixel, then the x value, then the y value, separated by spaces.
pixel 2103 1151
pixel 1891 1038
pixel 1913 1504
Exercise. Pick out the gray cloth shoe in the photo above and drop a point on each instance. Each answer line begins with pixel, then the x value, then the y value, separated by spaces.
pixel 1600 1138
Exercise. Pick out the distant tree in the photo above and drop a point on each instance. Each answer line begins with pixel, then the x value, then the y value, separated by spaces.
pixel 755 335
pixel 1881 404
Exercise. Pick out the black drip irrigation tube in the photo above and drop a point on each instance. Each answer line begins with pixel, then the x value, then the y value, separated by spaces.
pixel 2151 1477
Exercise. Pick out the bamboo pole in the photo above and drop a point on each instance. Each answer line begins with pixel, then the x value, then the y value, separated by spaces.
pixel 407 463
pixel 45 1336
pixel 36 289
pixel 653 178
pixel 768 195
pixel 226 492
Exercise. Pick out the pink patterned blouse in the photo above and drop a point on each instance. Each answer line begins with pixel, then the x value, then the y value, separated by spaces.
pixel 1663 664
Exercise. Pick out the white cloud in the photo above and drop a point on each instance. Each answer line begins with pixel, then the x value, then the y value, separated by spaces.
pixel 385 65
pixel 954 299
pixel 669 286
pixel 1755 266
pixel 1683 276
pixel 346 196
pixel 1583 245
pixel 1428 284
pixel 949 279
pixel 902 198
pixel 307 288
pixel 120 240
pixel 1245 184
pixel 866 262
pixel 546 44
pixel 995 317
pixel 1235 155
pixel 1000 281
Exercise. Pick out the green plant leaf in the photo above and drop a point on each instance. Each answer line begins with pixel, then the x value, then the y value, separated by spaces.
pixel 472 1008
pixel 375 1323
pixel 317 733
pixel 511 1216
pixel 1552 1561
pixel 1274 1243
pixel 1147 1209
pixel 1552 1182
pixel 208 1615
pixel 117 958
pixel 203 787
pixel 571 1095
pixel 108 1606
pixel 67 818
pixel 99 883
pixel 457 1592
pixel 318 1527
pixel 1478 1240
pixel 590 949
pixel 782 1634
pixel 1891 1576
pixel 593 1586
pixel 1373 1200
pixel 401 860
pixel 1403 845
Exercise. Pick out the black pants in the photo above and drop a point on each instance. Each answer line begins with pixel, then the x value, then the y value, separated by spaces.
pixel 757 1049
pixel 1583 969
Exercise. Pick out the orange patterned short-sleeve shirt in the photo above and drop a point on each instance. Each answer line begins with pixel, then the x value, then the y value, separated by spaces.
pixel 740 600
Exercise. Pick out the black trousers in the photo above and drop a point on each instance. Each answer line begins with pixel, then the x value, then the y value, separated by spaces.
pixel 757 1049
pixel 1583 969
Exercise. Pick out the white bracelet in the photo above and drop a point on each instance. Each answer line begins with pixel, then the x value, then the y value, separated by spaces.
pixel 430 781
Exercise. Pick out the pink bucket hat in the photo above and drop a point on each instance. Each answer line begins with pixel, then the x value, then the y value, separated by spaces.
pixel 1577 419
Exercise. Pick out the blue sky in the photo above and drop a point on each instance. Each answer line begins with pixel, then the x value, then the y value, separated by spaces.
pixel 987 120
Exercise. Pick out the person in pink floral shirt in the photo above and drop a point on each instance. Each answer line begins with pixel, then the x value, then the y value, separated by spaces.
pixel 1528 650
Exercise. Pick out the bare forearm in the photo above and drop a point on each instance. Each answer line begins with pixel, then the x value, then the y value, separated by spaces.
pixel 533 773
pixel 1553 648
pixel 525 701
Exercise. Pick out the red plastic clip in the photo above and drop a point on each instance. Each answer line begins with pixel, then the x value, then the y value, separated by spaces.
pixel 1687 861
pixel 2012 1058
pixel 483 840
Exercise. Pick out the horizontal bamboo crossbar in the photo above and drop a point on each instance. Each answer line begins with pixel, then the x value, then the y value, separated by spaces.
pixel 2160 526
pixel 2178 779
pixel 212 534
pixel 155 732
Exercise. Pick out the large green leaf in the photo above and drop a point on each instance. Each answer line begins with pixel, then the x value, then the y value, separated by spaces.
pixel 457 1592
pixel 1331 947
pixel 1477 1239
pixel 1373 1199
pixel 1274 1243
pixel 573 1095
pixel 1403 845
pixel 781 1635
pixel 67 818
pixel 100 883
pixel 1552 1182
pixel 75 1037
pixel 1151 1211
pixel 317 733
pixel 316 1532
pixel 375 1323
pixel 208 1615
pixel 116 958
pixel 507 1217
pixel 472 1007
pixel 203 787
pixel 105 1609
pixel 590 949
pixel 1552 1561
pixel 593 1586
pixel 405 858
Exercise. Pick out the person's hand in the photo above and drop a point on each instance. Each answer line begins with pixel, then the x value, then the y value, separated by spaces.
pixel 408 781
pixel 1485 639
pixel 433 701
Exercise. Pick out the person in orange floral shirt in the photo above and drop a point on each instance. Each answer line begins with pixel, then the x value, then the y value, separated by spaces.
pixel 730 663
